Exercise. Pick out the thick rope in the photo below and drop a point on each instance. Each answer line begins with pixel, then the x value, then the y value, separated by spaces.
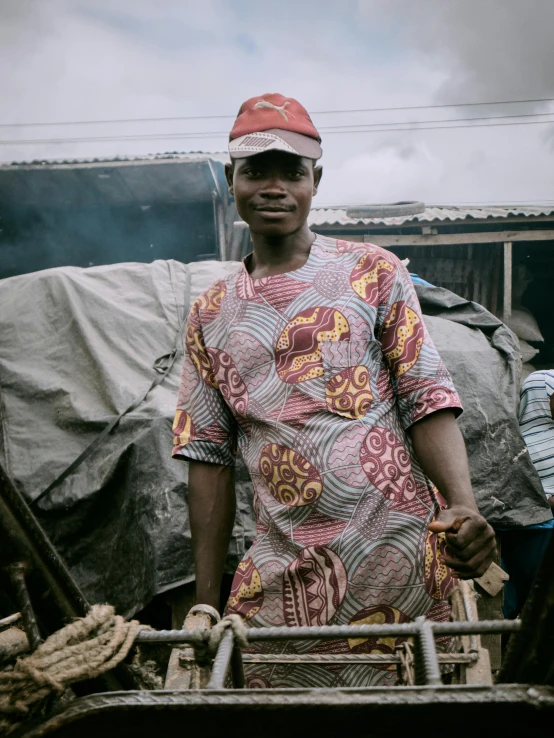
pixel 206 640
pixel 233 622
pixel 84 649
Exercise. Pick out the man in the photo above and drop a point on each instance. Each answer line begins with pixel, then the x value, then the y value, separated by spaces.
pixel 313 359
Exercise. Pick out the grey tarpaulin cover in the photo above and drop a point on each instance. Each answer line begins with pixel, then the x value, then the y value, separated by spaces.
pixel 482 356
pixel 78 347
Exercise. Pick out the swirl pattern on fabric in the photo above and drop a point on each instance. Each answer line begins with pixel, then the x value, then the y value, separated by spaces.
pixel 387 464
pixel 211 299
pixel 290 478
pixel 194 342
pixel 435 397
pixel 183 428
pixel 229 381
pixel 298 353
pixel 438 577
pixel 247 595
pixel 349 393
pixel 402 337
pixel 378 615
pixel 314 585
pixel 372 275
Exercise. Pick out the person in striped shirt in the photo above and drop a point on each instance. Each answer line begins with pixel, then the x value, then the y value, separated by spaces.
pixel 536 421
pixel 523 548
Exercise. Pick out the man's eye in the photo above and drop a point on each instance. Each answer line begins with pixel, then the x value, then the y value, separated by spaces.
pixel 297 174
pixel 252 173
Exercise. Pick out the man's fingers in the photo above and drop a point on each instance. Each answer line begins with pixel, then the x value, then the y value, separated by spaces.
pixel 468 556
pixel 438 527
pixel 453 526
pixel 471 543
pixel 471 530
pixel 487 541
pixel 474 566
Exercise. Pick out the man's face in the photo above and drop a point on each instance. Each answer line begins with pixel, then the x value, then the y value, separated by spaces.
pixel 273 191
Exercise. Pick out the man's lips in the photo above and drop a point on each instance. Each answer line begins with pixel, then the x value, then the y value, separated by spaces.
pixel 272 209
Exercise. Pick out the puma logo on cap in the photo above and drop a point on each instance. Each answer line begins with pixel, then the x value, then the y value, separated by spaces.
pixel 279 108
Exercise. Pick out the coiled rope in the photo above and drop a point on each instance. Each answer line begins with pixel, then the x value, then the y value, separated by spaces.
pixel 84 649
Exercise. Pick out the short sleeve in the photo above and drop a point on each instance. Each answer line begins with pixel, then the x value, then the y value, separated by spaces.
pixel 420 380
pixel 204 428
pixel 549 383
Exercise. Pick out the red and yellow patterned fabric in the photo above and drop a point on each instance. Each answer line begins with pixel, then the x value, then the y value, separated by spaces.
pixel 314 376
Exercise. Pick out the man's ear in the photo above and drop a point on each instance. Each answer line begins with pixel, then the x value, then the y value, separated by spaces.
pixel 229 176
pixel 318 172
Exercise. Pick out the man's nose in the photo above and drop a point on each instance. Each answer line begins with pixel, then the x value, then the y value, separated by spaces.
pixel 273 187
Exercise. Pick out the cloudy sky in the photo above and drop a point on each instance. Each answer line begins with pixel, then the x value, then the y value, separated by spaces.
pixel 68 61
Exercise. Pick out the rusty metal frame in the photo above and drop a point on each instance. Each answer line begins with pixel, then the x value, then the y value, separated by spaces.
pixel 229 660
pixel 273 711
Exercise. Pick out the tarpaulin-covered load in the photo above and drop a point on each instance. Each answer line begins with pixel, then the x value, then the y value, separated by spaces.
pixel 79 347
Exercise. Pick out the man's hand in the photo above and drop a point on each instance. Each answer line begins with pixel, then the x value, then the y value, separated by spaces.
pixel 470 541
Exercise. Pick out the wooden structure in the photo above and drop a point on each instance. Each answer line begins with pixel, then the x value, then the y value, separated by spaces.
pixel 478 252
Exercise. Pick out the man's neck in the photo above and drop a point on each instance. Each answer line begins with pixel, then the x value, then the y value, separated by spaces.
pixel 279 255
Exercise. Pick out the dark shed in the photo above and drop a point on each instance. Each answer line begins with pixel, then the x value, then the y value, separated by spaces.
pixel 85 213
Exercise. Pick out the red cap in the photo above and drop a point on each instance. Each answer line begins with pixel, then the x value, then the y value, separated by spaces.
pixel 273 121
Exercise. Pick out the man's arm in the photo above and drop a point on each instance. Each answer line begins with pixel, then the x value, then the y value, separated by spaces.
pixel 440 449
pixel 212 506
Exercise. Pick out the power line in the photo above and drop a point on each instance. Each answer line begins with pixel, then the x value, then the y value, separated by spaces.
pixel 369 128
pixel 329 129
pixel 319 112
pixel 448 128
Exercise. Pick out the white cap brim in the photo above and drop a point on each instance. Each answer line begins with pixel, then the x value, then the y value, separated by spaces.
pixel 275 139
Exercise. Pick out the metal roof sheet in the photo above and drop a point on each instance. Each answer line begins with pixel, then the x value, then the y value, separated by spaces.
pixel 222 156
pixel 338 216
pixel 86 183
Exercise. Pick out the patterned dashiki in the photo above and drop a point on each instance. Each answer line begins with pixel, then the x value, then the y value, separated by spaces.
pixel 537 425
pixel 315 375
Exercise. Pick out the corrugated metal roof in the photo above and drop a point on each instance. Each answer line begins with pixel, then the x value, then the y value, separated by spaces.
pixel 222 156
pixel 161 179
pixel 337 216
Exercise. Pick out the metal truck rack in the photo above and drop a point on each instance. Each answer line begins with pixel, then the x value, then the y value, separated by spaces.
pixel 212 697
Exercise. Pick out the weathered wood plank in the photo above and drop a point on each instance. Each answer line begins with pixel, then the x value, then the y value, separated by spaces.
pixel 450 239
pixel 507 302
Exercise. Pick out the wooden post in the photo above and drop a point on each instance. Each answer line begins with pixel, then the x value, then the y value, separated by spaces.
pixel 507 303
pixel 495 280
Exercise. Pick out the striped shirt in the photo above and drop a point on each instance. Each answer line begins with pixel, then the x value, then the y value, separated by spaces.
pixel 537 425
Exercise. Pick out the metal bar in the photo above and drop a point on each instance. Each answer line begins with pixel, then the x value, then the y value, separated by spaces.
pixel 426 662
pixel 16 573
pixel 20 526
pixel 348 658
pixel 222 661
pixel 330 632
pixel 10 620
